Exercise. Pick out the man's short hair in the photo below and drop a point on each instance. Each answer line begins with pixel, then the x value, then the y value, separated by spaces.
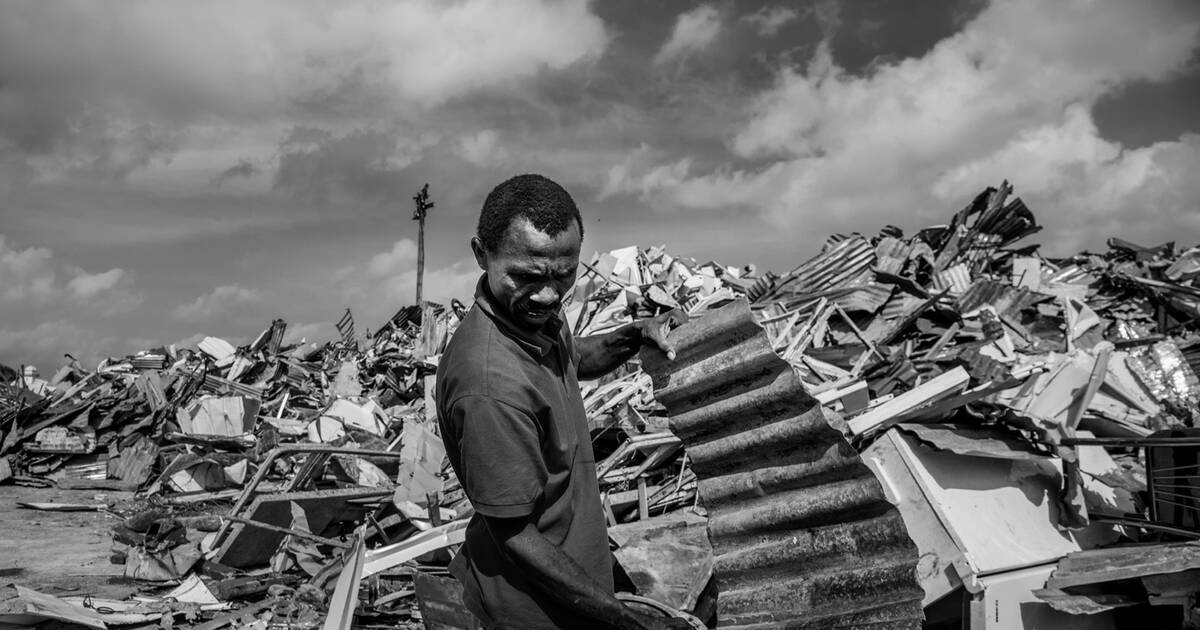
pixel 544 203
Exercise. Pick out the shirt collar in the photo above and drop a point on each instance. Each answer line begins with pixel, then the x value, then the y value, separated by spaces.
pixel 539 342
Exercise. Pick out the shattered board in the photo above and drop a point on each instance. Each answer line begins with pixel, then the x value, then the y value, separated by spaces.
pixel 802 533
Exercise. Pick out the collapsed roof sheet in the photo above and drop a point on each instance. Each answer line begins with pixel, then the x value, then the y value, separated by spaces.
pixel 802 533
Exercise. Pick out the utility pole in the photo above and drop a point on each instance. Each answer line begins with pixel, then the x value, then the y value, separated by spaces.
pixel 423 207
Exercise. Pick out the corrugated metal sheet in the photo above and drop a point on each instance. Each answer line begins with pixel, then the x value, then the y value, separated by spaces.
pixel 892 253
pixel 1007 299
pixel 957 278
pixel 842 263
pixel 1166 372
pixel 802 534
pixel 868 297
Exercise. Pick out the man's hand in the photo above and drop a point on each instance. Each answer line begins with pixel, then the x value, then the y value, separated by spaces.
pixel 601 354
pixel 654 330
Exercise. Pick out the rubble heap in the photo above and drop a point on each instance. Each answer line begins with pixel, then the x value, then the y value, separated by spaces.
pixel 967 373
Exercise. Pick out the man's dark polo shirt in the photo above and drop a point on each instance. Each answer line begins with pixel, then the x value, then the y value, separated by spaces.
pixel 516 434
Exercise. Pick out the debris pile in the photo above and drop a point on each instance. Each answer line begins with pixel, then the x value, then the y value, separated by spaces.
pixel 896 426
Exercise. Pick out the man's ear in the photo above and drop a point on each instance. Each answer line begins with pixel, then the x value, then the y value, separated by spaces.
pixel 480 252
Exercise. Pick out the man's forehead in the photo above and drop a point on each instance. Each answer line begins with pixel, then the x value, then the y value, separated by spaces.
pixel 524 239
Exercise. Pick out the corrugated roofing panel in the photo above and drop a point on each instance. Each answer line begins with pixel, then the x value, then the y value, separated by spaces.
pixel 847 261
pixel 802 533
pixel 892 253
pixel 1006 299
pixel 956 278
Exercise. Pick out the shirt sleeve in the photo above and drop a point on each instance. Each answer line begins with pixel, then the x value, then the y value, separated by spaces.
pixel 502 469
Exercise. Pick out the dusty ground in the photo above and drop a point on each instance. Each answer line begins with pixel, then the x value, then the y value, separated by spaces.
pixel 60 552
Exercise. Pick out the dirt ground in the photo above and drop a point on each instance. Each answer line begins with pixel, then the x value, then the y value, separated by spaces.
pixel 60 553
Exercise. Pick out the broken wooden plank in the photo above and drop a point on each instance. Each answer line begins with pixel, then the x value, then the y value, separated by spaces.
pixel 384 558
pixel 345 591
pixel 62 507
pixel 31 607
pixel 884 415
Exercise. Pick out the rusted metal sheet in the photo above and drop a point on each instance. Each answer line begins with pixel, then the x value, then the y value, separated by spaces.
pixel 802 534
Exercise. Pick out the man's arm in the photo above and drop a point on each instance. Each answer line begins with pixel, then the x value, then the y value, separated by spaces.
pixel 559 577
pixel 601 354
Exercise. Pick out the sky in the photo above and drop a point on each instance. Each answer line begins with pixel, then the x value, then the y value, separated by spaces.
pixel 170 170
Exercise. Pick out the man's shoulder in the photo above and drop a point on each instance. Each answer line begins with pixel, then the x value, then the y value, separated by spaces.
pixel 476 360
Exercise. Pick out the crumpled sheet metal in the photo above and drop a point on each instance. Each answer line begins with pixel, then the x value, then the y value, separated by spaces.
pixel 1165 371
pixel 1005 298
pixel 802 533
pixel 844 263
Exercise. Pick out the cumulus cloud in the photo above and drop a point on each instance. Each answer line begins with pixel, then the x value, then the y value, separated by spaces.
pixel 693 32
pixel 641 174
pixel 456 281
pixel 33 277
pixel 221 302
pixel 89 285
pixel 378 284
pixel 107 90
pixel 402 257
pixel 26 274
pixel 768 20
pixel 1008 96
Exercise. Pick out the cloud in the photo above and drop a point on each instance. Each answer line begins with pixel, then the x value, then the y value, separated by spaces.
pixel 456 281
pixel 26 274
pixel 221 302
pixel 43 345
pixel 768 20
pixel 317 165
pixel 1008 96
pixel 244 169
pixel 693 32
pixel 402 257
pixel 640 173
pixel 482 148
pixel 310 332
pixel 32 278
pixel 377 285
pixel 88 285
pixel 106 91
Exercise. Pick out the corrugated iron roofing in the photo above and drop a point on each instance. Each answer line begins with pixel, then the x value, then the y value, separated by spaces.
pixel 840 264
pixel 957 278
pixel 801 531
pixel 892 253
pixel 1007 299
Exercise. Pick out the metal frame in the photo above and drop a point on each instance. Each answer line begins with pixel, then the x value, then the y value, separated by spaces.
pixel 1163 484
pixel 318 456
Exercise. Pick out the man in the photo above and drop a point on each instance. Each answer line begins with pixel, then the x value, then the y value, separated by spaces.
pixel 536 553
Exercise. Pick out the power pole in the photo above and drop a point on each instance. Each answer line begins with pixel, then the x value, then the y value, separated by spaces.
pixel 423 207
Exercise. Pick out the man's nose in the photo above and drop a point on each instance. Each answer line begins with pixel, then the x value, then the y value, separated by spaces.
pixel 547 295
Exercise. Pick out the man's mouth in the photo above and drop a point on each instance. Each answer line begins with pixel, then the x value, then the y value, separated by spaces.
pixel 539 313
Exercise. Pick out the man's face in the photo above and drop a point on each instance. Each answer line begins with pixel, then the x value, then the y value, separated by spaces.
pixel 531 272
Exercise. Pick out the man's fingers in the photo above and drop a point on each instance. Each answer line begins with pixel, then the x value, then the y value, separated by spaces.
pixel 655 334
